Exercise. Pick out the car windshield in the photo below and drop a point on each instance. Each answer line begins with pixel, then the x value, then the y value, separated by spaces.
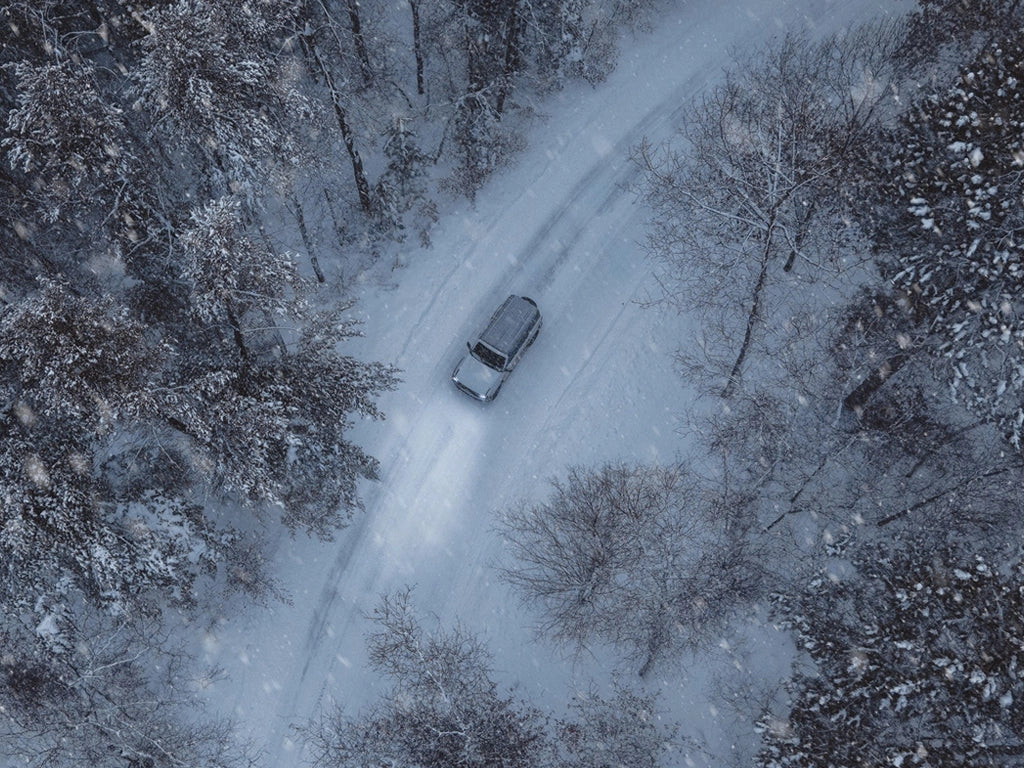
pixel 488 356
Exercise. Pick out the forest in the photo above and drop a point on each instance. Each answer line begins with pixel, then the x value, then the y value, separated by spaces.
pixel 844 216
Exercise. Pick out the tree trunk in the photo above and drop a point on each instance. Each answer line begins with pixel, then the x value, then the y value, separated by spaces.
pixel 236 330
pixel 360 41
pixel 856 400
pixel 752 317
pixel 306 239
pixel 473 83
pixel 511 57
pixel 417 45
pixel 766 257
pixel 362 184
pixel 656 641
pixel 339 230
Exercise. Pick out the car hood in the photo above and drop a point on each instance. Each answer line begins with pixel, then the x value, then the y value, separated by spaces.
pixel 476 378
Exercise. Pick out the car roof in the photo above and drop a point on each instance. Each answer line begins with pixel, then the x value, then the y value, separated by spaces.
pixel 509 324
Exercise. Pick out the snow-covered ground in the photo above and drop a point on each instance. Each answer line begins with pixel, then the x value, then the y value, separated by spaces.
pixel 562 227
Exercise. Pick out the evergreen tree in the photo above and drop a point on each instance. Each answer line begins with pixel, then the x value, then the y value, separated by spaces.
pixel 207 78
pixel 66 137
pixel 915 661
pixel 402 186
pixel 952 230
pixel 76 377
pixel 268 418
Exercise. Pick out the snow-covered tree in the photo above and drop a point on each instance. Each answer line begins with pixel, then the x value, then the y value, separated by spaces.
pixel 68 138
pixel 946 29
pixel 915 660
pixel 444 710
pixel 207 78
pixel 267 418
pixel 483 52
pixel 572 39
pixel 75 376
pixel 72 356
pixel 482 144
pixel 235 280
pixel 327 52
pixel 644 557
pixel 492 32
pixel 625 729
pixel 112 425
pixel 96 539
pixel 402 186
pixel 952 230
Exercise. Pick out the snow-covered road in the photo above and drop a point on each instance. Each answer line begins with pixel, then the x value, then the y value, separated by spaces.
pixel 562 227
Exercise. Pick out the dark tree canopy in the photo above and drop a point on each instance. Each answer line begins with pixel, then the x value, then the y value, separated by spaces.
pixel 915 661
pixel 952 230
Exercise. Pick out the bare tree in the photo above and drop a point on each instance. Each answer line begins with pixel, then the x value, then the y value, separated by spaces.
pixel 620 730
pixel 79 687
pixel 644 557
pixel 747 202
pixel 444 709
pixel 856 418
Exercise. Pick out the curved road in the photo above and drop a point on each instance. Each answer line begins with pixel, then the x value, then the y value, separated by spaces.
pixel 562 227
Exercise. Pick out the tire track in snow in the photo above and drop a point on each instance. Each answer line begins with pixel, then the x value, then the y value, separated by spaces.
pixel 317 630
pixel 610 171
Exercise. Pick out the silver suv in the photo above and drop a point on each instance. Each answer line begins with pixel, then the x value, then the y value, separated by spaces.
pixel 496 351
